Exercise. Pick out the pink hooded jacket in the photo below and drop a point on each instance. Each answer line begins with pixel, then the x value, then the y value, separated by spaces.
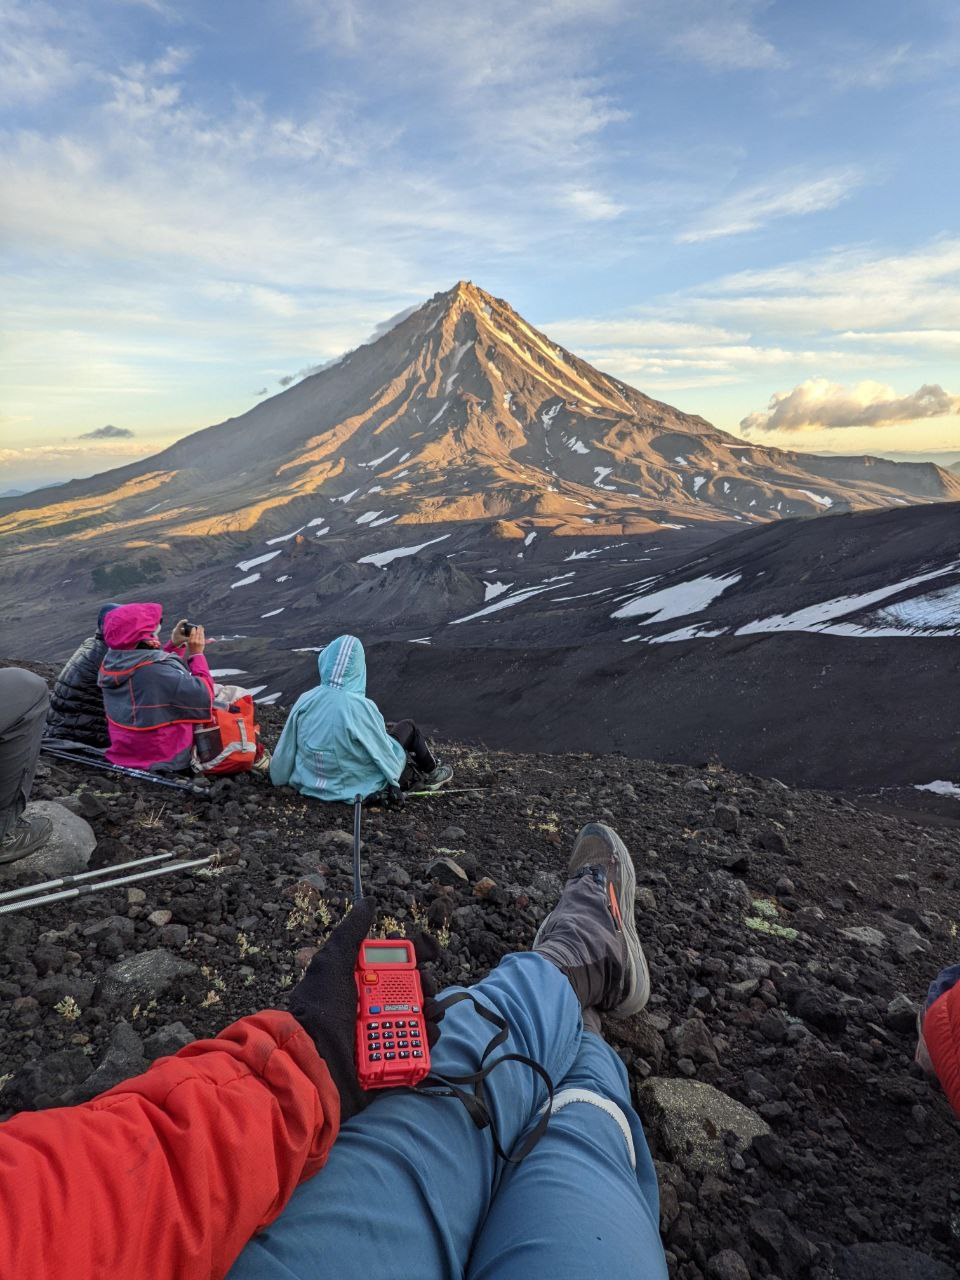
pixel 123 629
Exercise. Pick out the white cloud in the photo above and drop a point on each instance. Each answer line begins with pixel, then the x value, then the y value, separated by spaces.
pixel 33 65
pixel 591 205
pixel 788 195
pixel 720 34
pixel 836 291
pixel 819 403
pixel 49 453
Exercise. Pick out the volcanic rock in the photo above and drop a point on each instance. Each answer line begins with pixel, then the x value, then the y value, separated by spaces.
pixel 68 850
pixel 874 1261
pixel 690 1121
pixel 142 977
pixel 123 1059
pixel 446 871
pixel 901 1015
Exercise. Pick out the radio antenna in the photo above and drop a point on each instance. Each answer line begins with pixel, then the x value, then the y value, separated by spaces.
pixel 357 810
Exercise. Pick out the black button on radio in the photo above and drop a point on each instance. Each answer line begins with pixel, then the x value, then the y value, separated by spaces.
pixel 404 1055
pixel 417 1053
pixel 389 1056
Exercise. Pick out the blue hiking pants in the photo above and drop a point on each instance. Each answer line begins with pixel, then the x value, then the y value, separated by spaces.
pixel 413 1190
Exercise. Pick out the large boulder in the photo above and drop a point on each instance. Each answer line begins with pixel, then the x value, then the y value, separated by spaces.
pixel 690 1119
pixel 142 977
pixel 66 852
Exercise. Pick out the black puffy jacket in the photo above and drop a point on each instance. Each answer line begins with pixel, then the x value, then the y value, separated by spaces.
pixel 76 704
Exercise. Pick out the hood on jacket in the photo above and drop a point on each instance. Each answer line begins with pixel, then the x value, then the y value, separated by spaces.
pixel 342 665
pixel 128 624
pixel 104 610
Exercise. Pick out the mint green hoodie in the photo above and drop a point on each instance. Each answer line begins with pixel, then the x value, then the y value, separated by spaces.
pixel 335 743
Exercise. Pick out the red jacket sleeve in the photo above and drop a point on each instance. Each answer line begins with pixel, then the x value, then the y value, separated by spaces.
pixel 170 1173
pixel 941 1034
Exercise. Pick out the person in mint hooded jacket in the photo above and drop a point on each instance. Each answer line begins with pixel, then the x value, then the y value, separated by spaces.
pixel 336 744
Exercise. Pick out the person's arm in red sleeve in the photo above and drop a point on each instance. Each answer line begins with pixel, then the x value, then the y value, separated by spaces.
pixel 199 667
pixel 941 1034
pixel 195 659
pixel 170 1173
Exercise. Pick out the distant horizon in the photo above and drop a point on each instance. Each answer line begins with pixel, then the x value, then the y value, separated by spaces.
pixel 755 222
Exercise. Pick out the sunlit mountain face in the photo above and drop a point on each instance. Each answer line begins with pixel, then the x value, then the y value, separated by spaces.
pixel 402 482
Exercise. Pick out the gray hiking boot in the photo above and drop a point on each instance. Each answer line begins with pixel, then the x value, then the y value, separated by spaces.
pixel 26 836
pixel 590 934
pixel 437 777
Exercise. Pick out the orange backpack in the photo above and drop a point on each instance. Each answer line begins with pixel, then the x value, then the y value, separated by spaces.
pixel 228 743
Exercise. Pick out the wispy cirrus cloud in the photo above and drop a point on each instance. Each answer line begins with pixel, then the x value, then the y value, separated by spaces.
pixel 819 403
pixel 788 195
pixel 34 63
pixel 722 35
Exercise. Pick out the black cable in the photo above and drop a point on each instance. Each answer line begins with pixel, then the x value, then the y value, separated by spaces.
pixel 357 810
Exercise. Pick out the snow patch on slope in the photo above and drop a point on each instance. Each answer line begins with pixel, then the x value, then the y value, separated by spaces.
pixel 940 788
pixel 383 558
pixel 244 565
pixel 678 600
pixel 816 617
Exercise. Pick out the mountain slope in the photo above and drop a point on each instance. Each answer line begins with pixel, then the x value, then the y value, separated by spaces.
pixel 461 413
pixel 876 574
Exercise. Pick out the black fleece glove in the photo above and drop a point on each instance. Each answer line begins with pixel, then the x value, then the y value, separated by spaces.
pixel 324 1002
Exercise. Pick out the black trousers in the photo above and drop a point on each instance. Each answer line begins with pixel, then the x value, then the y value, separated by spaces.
pixel 23 709
pixel 416 747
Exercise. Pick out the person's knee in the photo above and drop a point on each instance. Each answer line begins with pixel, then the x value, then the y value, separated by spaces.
pixel 23 696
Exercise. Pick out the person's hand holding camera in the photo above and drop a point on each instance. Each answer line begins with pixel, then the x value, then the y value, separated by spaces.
pixel 180 634
pixel 196 641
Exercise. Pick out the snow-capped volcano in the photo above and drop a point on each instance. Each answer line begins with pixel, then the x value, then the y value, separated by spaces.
pixel 461 434
pixel 462 412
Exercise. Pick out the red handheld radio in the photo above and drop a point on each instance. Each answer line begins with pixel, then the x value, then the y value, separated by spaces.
pixel 391 1044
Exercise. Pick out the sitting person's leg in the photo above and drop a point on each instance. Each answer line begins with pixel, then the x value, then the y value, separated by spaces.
pixel 428 769
pixel 411 1180
pixel 23 707
pixel 414 743
pixel 585 1201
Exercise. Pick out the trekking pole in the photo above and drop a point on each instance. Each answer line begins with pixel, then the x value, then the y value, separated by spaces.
pixel 64 881
pixel 357 810
pixel 128 771
pixel 445 791
pixel 84 889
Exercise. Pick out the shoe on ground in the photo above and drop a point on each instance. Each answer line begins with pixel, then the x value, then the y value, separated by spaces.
pixel 436 778
pixel 26 836
pixel 590 934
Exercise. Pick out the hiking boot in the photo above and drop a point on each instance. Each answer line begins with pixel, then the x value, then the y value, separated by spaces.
pixel 26 836
pixel 436 777
pixel 590 934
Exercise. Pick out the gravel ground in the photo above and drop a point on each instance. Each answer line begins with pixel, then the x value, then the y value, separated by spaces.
pixel 840 1160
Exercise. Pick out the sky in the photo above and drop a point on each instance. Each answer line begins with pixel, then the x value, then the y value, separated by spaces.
pixel 747 208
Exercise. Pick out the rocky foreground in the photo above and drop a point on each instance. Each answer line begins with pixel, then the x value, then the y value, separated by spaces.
pixel 790 936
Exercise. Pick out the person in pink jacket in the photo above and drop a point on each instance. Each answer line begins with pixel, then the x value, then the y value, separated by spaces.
pixel 153 694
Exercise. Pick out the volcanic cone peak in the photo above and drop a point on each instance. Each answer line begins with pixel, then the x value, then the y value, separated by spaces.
pixel 460 414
